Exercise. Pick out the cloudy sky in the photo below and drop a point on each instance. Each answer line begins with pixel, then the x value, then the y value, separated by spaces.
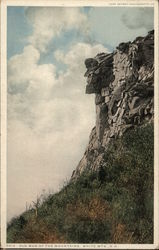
pixel 49 115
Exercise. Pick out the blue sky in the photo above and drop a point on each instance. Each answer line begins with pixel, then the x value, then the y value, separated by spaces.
pixel 106 27
pixel 18 29
pixel 49 115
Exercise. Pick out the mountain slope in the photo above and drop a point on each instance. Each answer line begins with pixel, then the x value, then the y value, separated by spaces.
pixel 112 205
pixel 109 198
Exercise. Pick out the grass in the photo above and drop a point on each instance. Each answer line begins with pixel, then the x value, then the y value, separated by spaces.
pixel 111 205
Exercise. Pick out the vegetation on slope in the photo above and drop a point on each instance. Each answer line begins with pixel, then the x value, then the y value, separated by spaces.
pixel 112 205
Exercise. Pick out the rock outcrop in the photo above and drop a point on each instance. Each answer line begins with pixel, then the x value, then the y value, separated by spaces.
pixel 123 84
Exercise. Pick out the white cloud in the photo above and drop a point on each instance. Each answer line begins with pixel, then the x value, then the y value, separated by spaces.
pixel 48 23
pixel 49 121
pixel 24 74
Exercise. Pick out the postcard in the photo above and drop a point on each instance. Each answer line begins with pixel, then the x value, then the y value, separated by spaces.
pixel 79 124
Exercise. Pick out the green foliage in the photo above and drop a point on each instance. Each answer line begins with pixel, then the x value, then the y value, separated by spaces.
pixel 113 204
pixel 86 231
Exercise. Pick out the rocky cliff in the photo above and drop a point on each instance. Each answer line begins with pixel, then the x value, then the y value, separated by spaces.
pixel 123 84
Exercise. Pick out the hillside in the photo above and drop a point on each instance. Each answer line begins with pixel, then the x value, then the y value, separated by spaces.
pixel 109 198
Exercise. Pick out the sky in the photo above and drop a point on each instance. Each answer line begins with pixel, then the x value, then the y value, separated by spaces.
pixel 49 115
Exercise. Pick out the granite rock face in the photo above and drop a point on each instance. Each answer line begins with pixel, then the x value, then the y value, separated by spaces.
pixel 123 84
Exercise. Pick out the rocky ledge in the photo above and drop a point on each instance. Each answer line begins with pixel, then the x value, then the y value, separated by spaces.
pixel 123 84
